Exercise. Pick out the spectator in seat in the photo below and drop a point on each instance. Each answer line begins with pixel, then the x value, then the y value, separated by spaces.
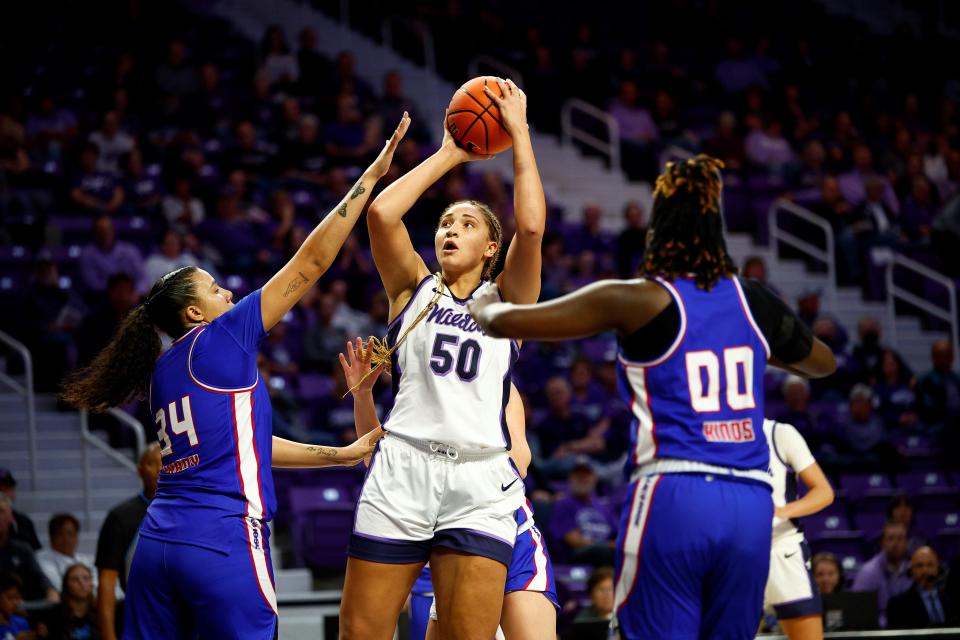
pixel 868 350
pixel 348 137
pixel 588 235
pixel 279 65
pixel 21 528
pixel 600 590
pixel 175 77
pixel 142 192
pixel 564 433
pixel 117 541
pixel 632 241
pixel 112 143
pixel 107 256
pixel 938 390
pixel 12 626
pixel 305 158
pixel 726 143
pixel 99 326
pixel 893 384
pixel 170 255
pixel 865 435
pixel 91 190
pixel 827 573
pixel 393 103
pixel 64 535
pixel 888 572
pixel 853 184
pixel 900 509
pixel 924 605
pixel 767 148
pixel 638 132
pixel 76 617
pixel 314 67
pixel 181 209
pixel 919 210
pixel 51 129
pixel 755 268
pixel 18 558
pixel 583 524
pixel 796 394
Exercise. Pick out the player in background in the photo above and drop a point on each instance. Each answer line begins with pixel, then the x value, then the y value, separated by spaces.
pixel 443 488
pixel 202 564
pixel 791 590
pixel 694 540
pixel 530 603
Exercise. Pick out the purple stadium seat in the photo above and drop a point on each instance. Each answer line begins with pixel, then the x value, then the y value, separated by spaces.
pixel 947 544
pixel 930 489
pixel 871 524
pixel 573 577
pixel 930 524
pixel 14 254
pixel 824 524
pixel 871 491
pixel 842 544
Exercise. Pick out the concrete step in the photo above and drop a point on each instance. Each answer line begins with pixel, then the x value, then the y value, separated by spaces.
pixel 57 479
pixel 293 580
pixel 67 500
pixel 18 462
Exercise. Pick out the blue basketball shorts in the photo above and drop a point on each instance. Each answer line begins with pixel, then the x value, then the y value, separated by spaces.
pixel 693 554
pixel 177 591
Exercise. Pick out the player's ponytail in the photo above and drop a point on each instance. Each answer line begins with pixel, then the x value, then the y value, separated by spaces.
pixel 686 228
pixel 122 370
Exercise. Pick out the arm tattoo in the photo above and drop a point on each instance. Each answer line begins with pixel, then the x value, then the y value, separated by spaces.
pixel 342 210
pixel 295 284
pixel 360 189
pixel 327 452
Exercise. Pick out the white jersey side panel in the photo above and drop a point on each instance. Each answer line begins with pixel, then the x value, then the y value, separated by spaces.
pixel 789 455
pixel 452 381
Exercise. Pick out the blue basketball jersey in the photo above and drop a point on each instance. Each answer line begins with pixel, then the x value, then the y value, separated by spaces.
pixel 214 425
pixel 702 400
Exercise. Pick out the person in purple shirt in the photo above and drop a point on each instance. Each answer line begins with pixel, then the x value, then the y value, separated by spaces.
pixel 142 190
pixel 232 234
pixel 107 256
pixel 888 572
pixel 92 190
pixel 583 524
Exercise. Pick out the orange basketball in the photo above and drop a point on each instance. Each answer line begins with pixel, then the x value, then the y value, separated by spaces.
pixel 473 119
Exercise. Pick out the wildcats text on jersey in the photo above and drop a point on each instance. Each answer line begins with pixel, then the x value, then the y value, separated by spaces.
pixel 450 318
pixel 729 431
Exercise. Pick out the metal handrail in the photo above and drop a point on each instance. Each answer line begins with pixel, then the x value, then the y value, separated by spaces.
pixel 426 38
pixel 825 255
pixel 29 398
pixel 569 132
pixel 505 70
pixel 948 315
pixel 87 438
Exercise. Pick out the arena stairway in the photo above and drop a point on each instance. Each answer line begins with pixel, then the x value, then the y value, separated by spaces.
pixel 60 476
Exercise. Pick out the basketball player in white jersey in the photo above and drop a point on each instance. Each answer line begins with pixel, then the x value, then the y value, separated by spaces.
pixel 530 602
pixel 791 590
pixel 441 487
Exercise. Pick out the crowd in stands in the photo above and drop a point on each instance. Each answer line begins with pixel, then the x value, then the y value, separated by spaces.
pixel 181 143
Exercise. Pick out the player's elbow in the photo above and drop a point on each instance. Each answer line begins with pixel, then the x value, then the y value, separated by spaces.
pixel 828 495
pixel 530 232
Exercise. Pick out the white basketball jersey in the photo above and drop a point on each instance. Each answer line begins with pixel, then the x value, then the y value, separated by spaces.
pixel 451 381
pixel 789 455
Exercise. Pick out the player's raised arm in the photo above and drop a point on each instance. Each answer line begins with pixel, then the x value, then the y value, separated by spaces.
pixel 317 252
pixel 520 280
pixel 400 266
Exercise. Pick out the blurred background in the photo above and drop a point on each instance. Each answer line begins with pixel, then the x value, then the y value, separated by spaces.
pixel 137 137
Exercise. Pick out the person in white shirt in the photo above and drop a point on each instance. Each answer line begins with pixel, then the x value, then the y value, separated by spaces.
pixel 171 256
pixel 62 554
pixel 791 590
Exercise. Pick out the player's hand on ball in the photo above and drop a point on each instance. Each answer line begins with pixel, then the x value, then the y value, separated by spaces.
pixel 356 364
pixel 450 146
pixel 483 307
pixel 513 106
pixel 362 448
pixel 381 165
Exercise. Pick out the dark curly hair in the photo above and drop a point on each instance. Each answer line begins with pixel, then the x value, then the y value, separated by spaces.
pixel 122 369
pixel 686 227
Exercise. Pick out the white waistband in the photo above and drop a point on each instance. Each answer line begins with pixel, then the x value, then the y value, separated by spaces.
pixel 447 451
pixel 657 467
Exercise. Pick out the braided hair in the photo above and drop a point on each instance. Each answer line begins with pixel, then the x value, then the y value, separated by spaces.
pixel 686 228
pixel 122 370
